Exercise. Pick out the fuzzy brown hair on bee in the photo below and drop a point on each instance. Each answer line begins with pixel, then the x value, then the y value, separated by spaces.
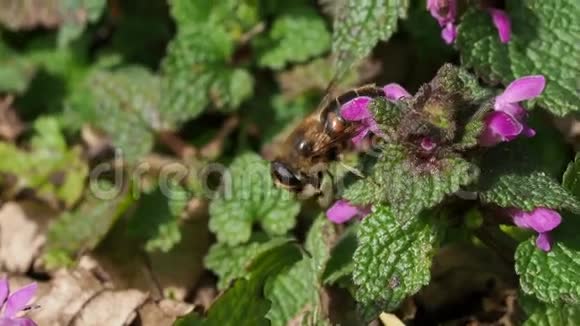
pixel 318 140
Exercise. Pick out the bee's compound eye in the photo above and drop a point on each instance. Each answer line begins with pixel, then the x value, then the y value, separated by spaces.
pixel 304 146
pixel 284 176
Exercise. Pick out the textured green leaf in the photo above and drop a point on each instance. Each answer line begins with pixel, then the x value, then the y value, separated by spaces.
pixel 244 303
pixel 541 314
pixel 341 263
pixel 231 262
pixel 156 218
pixel 83 228
pixel 539 44
pixel 571 179
pixel 296 36
pixel 392 261
pixel 528 192
pixel 197 69
pixel 295 292
pixel 196 73
pixel 249 196
pixel 124 103
pixel 360 24
pixel 552 277
pixel 50 167
pixel 395 181
pixel 86 11
pixel 16 71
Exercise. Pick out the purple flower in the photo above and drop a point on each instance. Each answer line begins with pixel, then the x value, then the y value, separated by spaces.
pixel 395 92
pixel 342 211
pixel 507 121
pixel 542 220
pixel 444 11
pixel 12 304
pixel 357 110
pixel 502 22
pixel 449 33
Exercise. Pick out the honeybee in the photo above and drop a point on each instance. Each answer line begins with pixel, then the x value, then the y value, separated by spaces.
pixel 318 140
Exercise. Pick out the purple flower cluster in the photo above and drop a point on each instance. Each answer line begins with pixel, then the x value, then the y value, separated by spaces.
pixel 505 123
pixel 11 304
pixel 445 12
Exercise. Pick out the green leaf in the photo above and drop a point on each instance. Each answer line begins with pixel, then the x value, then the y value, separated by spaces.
pixel 553 276
pixel 341 263
pixel 125 104
pixel 16 71
pixel 156 218
pixel 295 292
pixel 392 261
pixel 528 192
pixel 394 180
pixel 50 167
pixel 249 196
pixel 296 36
pixel 360 24
pixel 83 228
pixel 571 179
pixel 539 44
pixel 197 69
pixel 196 72
pixel 244 303
pixel 231 262
pixel 541 314
pixel 72 27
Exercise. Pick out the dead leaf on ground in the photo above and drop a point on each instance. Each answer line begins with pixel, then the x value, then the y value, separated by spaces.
pixel 28 14
pixel 162 313
pixel 23 227
pixel 111 308
pixel 129 267
pixel 10 124
pixel 69 293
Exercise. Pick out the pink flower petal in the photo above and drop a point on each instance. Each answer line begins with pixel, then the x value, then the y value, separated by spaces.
pixel 395 92
pixel 4 290
pixel 540 219
pixel 443 11
pixel 356 109
pixel 521 89
pixel 513 109
pixel 528 132
pixel 500 127
pixel 360 136
pixel 17 322
pixel 19 299
pixel 428 144
pixel 343 211
pixel 544 242
pixel 449 33
pixel 502 22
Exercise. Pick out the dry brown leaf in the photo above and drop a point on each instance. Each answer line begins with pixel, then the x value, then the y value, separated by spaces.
pixel 163 313
pixel 111 308
pixel 27 14
pixel 10 125
pixel 129 267
pixel 69 293
pixel 23 227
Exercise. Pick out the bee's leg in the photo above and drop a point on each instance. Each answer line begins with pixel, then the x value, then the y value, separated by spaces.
pixel 326 195
pixel 352 170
